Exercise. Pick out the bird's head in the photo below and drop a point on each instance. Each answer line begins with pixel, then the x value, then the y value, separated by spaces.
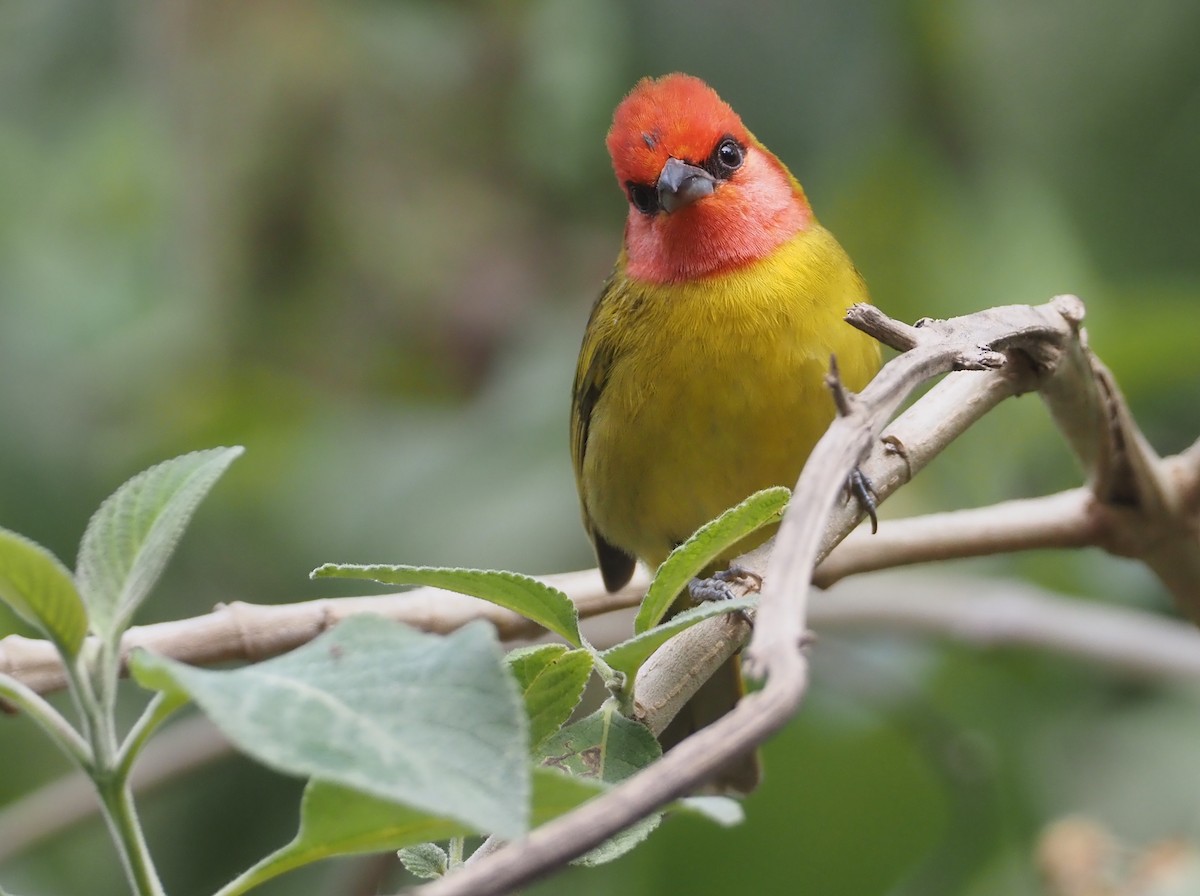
pixel 704 195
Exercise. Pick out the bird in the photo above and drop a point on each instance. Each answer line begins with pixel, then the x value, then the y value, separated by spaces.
pixel 700 377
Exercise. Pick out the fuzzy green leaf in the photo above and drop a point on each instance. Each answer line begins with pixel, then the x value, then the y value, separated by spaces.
pixel 426 861
pixel 712 540
pixel 605 746
pixel 545 605
pixel 720 809
pixel 131 537
pixel 527 663
pixel 555 793
pixel 552 678
pixel 40 589
pixel 619 844
pixel 433 722
pixel 340 821
pixel 629 655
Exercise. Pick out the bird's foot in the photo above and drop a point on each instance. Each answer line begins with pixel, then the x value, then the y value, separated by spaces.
pixel 719 586
pixel 859 486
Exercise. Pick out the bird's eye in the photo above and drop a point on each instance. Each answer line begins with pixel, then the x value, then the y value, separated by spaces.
pixel 728 156
pixel 644 198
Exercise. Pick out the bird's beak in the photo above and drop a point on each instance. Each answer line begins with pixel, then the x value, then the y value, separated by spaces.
pixel 681 184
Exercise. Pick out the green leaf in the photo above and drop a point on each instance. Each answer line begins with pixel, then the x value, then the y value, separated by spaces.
pixel 628 656
pixel 619 844
pixel 132 536
pixel 336 820
pixel 556 793
pixel 545 605
pixel 723 810
pixel 339 821
pixel 712 540
pixel 40 589
pixel 527 663
pixel 431 721
pixel 161 708
pixel 552 678
pixel 606 746
pixel 427 861
pixel 600 750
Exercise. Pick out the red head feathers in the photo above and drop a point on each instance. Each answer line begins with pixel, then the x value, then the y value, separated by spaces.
pixel 705 196
pixel 676 115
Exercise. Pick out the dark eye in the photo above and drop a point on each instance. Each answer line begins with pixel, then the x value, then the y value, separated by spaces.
pixel 728 156
pixel 644 198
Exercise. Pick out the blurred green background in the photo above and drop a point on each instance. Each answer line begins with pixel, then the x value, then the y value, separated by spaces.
pixel 362 239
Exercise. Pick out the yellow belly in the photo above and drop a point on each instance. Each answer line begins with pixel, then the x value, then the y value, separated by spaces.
pixel 716 390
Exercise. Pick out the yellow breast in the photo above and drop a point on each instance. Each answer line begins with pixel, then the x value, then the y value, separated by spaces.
pixel 714 389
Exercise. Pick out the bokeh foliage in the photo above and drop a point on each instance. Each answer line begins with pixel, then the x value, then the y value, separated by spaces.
pixel 362 239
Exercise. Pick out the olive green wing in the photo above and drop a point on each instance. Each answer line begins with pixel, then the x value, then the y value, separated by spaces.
pixel 596 357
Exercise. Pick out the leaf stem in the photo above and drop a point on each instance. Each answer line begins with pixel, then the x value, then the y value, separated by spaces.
pixel 49 719
pixel 614 679
pixel 93 680
pixel 120 814
pixel 156 712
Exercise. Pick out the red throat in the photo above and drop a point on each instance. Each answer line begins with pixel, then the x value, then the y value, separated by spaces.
pixel 757 209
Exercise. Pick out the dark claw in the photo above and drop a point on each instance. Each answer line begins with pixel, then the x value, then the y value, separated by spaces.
pixel 860 486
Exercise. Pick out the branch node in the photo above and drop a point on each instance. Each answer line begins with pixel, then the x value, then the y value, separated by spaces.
pixel 875 323
pixel 979 358
pixel 1071 308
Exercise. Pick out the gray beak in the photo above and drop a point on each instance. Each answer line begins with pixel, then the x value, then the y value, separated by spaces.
pixel 681 184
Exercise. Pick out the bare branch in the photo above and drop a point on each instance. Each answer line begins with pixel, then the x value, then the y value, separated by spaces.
pixel 1152 507
pixel 941 346
pixel 676 671
pixel 976 610
pixel 991 612
pixel 1056 521
pixel 242 631
pixel 1071 519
